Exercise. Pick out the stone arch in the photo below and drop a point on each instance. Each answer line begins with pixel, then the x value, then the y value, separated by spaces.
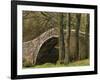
pixel 47 52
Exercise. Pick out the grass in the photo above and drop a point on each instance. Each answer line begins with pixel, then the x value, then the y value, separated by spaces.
pixel 77 63
pixel 80 63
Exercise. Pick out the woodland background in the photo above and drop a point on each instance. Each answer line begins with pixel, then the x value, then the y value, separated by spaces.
pixel 36 23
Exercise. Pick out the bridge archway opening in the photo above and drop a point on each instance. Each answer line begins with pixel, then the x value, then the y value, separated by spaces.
pixel 48 53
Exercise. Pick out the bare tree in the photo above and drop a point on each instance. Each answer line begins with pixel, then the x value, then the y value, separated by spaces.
pixel 87 37
pixel 78 17
pixel 68 39
pixel 61 40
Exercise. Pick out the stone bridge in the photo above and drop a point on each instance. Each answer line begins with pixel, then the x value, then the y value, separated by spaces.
pixel 49 38
pixel 31 48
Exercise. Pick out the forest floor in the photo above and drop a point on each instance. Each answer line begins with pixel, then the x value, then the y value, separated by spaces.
pixel 76 63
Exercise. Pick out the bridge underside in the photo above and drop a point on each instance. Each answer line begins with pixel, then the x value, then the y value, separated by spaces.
pixel 48 52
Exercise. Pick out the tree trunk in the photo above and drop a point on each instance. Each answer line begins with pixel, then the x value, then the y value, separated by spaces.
pixel 87 37
pixel 61 41
pixel 77 55
pixel 67 50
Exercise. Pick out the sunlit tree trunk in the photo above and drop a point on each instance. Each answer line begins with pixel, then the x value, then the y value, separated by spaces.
pixel 61 40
